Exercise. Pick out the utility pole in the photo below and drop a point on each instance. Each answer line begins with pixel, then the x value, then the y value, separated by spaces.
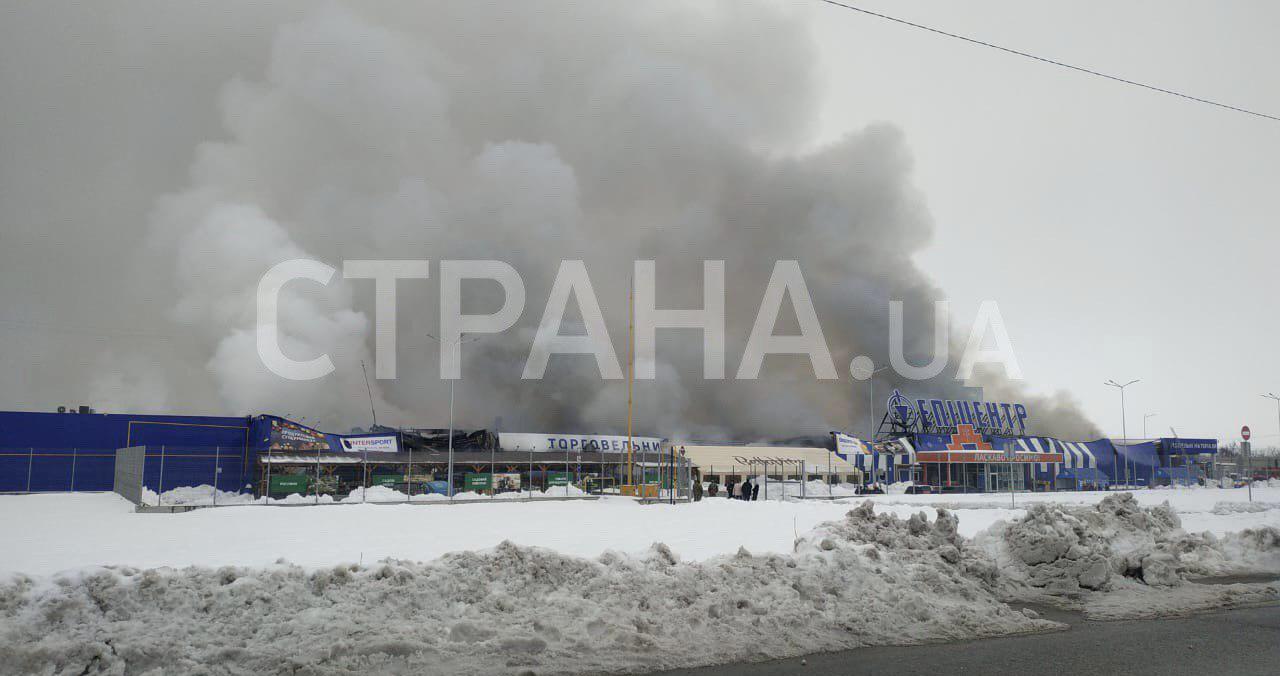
pixel 1269 395
pixel 370 391
pixel 1123 425
pixel 457 344
pixel 451 438
pixel 1145 417
pixel 871 404
pixel 631 372
pixel 1276 397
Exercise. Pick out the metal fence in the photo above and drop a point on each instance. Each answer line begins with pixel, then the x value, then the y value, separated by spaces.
pixel 178 476
pixel 777 481
pixel 476 477
pixel 37 470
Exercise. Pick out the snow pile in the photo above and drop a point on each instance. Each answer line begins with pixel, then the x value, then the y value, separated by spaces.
pixel 1064 550
pixel 203 495
pixel 375 494
pixel 866 580
pixel 195 495
pixel 1228 508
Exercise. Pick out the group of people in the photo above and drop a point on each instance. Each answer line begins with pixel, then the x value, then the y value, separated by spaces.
pixel 736 491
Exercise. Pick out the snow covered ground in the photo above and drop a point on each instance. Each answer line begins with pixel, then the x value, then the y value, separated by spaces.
pixel 58 532
pixel 61 532
pixel 204 496
pixel 607 586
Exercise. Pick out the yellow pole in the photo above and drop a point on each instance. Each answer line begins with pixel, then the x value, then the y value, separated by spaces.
pixel 631 371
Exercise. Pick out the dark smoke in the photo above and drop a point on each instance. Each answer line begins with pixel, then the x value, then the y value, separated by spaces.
pixel 158 159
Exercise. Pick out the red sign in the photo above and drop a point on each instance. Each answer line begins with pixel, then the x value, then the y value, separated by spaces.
pixel 1245 432
pixel 986 457
pixel 966 439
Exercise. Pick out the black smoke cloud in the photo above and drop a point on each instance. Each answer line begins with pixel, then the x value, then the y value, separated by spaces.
pixel 159 158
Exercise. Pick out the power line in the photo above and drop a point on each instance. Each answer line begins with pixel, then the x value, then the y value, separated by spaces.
pixel 1008 50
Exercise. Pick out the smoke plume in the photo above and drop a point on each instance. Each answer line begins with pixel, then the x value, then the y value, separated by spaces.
pixel 161 159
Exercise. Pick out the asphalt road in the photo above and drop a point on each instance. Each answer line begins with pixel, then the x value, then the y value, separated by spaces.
pixel 1232 642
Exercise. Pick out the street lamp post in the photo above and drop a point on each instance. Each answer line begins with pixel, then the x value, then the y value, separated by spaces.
pixel 862 368
pixel 1123 424
pixel 1145 418
pixel 871 403
pixel 1275 397
pixel 458 344
pixel 1269 395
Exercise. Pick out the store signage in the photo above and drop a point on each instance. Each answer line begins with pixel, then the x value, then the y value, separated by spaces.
pixel 847 446
pixel 515 441
pixel 935 413
pixel 384 444
pixel 766 460
pixel 986 456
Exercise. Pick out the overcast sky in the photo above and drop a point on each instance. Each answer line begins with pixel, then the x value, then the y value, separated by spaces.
pixel 1124 233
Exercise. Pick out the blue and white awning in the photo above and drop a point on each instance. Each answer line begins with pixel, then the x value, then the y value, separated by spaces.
pixel 1077 455
pixel 909 456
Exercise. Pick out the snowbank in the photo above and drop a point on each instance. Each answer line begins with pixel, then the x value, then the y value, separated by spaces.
pixel 1225 508
pixel 1061 552
pixel 870 580
pixel 866 579
pixel 203 495
pixel 195 495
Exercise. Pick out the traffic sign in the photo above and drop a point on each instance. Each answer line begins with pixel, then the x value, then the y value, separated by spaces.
pixel 1245 432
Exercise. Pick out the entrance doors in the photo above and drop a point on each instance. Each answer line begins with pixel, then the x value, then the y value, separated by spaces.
pixel 1000 475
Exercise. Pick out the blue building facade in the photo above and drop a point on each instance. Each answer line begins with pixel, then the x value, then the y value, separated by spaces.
pixel 76 451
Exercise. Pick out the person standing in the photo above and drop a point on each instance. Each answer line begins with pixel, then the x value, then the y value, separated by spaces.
pixel 755 492
pixel 746 489
pixel 729 487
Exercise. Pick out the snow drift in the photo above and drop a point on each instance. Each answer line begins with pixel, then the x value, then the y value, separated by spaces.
pixel 870 580
pixel 203 495
pixel 1063 550
pixel 867 579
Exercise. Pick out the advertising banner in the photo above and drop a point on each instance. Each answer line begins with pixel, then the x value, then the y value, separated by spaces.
pixel 1188 446
pixel 284 484
pixel 291 436
pixel 517 441
pixel 847 446
pixel 500 481
pixel 367 444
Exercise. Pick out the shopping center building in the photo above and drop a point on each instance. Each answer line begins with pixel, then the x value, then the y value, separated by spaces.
pixel 976 446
